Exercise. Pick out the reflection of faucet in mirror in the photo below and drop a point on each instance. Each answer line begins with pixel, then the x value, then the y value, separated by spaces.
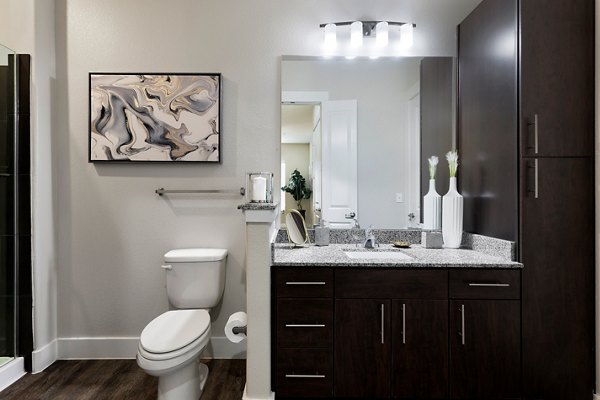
pixel 370 242
pixel 355 230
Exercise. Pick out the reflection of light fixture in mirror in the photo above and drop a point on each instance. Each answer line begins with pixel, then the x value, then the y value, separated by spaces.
pixel 356 34
pixel 382 33
pixel 406 35
pixel 330 39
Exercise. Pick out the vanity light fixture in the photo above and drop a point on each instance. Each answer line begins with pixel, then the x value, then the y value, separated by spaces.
pixel 366 29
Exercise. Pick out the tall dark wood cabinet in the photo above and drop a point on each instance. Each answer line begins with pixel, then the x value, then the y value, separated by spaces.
pixel 526 139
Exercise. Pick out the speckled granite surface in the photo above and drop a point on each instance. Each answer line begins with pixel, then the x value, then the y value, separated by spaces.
pixel 488 245
pixel 257 206
pixel 341 236
pixel 333 255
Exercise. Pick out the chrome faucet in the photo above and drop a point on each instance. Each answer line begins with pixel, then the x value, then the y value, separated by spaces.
pixel 370 242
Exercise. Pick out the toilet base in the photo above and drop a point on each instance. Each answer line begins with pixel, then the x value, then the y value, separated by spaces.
pixel 186 383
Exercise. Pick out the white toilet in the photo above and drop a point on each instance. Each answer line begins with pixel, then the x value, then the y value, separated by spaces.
pixel 171 344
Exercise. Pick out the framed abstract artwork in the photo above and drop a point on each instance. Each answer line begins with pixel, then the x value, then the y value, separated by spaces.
pixel 170 117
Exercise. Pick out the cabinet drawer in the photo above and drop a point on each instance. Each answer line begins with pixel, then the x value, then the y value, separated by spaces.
pixel 391 284
pixel 304 373
pixel 304 322
pixel 485 284
pixel 304 282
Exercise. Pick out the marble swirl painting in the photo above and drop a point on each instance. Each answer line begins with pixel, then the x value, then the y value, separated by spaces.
pixel 154 117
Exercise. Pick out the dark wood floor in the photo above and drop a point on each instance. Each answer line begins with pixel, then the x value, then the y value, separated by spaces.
pixel 118 379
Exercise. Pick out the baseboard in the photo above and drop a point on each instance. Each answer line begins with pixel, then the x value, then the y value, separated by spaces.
pixel 97 348
pixel 11 372
pixel 271 396
pixel 44 357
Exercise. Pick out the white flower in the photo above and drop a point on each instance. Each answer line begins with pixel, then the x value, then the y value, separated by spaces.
pixel 433 162
pixel 452 158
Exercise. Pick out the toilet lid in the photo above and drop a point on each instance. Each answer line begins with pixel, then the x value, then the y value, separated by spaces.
pixel 174 330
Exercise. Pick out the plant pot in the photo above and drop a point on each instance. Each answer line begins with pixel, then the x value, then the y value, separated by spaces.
pixel 452 217
pixel 432 208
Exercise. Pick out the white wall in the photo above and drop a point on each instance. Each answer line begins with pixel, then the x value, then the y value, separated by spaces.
pixel 111 229
pixel 380 88
pixel 27 26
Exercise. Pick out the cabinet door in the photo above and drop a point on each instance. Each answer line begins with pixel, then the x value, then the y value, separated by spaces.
pixel 420 349
pixel 557 77
pixel 485 356
pixel 557 249
pixel 362 348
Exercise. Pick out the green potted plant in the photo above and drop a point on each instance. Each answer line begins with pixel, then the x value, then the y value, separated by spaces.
pixel 298 189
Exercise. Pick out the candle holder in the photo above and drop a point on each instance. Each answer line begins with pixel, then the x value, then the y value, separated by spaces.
pixel 259 187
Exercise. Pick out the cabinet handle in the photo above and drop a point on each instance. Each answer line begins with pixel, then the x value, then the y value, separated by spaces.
pixel 462 324
pixel 535 133
pixel 489 284
pixel 305 325
pixel 403 323
pixel 382 323
pixel 304 376
pixel 305 283
pixel 536 180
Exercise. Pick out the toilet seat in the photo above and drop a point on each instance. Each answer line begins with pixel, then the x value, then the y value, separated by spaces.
pixel 174 333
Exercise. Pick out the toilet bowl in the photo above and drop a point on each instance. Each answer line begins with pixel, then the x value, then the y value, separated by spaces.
pixel 171 344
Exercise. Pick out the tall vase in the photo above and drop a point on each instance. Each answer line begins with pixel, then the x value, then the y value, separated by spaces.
pixel 452 217
pixel 432 208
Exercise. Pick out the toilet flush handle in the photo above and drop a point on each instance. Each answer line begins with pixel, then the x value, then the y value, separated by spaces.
pixel 169 267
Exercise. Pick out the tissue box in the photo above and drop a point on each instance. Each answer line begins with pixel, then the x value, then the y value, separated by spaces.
pixel 432 239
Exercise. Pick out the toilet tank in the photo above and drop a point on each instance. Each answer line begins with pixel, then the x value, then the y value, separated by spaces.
pixel 195 277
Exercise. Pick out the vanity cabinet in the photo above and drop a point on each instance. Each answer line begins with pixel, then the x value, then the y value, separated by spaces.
pixel 397 333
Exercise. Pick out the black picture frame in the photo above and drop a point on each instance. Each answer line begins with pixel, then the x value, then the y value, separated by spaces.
pixel 208 86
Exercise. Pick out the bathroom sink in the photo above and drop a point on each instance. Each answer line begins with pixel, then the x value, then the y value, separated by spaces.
pixel 377 255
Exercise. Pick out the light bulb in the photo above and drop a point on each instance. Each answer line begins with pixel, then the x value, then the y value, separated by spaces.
pixel 406 35
pixel 356 34
pixel 382 34
pixel 330 38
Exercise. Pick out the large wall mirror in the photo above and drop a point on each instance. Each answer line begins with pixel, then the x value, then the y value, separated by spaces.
pixel 360 132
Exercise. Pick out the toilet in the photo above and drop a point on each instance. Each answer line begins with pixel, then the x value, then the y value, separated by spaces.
pixel 171 344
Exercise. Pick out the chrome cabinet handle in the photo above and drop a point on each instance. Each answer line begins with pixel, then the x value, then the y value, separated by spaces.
pixel 537 180
pixel 305 325
pixel 489 284
pixel 305 283
pixel 304 376
pixel 403 323
pixel 382 323
pixel 462 324
pixel 535 133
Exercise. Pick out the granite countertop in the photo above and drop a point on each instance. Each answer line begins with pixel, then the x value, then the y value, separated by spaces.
pixel 333 255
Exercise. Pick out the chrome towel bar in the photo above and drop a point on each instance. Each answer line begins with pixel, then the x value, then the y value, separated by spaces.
pixel 241 191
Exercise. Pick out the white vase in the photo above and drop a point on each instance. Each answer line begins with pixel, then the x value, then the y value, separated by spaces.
pixel 432 208
pixel 452 217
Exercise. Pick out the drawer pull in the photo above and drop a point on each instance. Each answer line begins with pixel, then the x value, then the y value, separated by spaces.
pixel 305 325
pixel 305 283
pixel 462 324
pixel 489 284
pixel 304 376
pixel 382 323
pixel 403 323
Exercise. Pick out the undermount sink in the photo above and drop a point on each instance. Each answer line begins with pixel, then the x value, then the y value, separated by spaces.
pixel 377 255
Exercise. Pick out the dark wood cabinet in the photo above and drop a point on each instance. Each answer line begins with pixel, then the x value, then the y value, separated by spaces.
pixel 558 279
pixel 362 348
pixel 557 78
pixel 485 351
pixel 419 349
pixel 549 44
pixel 395 334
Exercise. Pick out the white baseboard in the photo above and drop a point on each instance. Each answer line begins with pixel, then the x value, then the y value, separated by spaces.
pixel 44 357
pixel 271 396
pixel 96 348
pixel 11 372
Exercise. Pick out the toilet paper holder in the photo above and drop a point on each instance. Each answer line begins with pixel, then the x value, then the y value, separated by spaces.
pixel 239 329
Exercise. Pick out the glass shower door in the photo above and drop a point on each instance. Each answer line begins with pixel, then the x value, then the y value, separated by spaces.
pixel 8 226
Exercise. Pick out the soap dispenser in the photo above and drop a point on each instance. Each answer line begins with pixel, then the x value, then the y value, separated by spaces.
pixel 322 234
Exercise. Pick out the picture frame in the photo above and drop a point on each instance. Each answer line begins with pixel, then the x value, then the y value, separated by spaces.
pixel 154 117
